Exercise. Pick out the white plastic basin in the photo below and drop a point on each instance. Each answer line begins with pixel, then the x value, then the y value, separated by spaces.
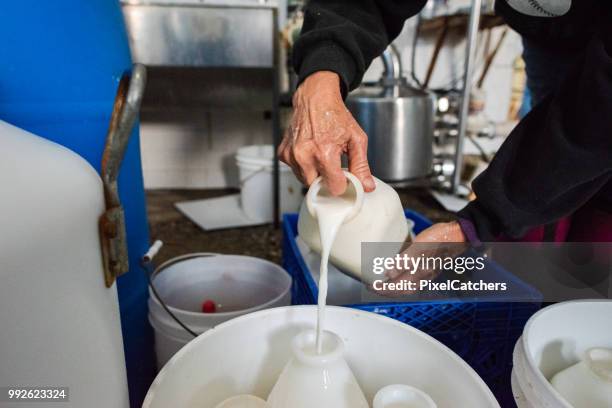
pixel 245 356
pixel 554 339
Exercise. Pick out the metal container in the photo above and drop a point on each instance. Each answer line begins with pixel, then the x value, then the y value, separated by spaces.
pixel 399 122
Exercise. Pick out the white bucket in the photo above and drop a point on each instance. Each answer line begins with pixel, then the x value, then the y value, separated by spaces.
pixel 554 339
pixel 246 355
pixel 239 284
pixel 255 168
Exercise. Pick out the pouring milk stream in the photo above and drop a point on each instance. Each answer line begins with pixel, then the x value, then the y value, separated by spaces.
pixel 330 212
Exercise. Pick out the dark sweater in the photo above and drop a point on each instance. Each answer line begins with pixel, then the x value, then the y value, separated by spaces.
pixel 344 36
pixel 556 160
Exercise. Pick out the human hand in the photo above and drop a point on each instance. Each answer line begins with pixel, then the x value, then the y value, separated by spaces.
pixel 441 240
pixel 321 130
pixel 442 232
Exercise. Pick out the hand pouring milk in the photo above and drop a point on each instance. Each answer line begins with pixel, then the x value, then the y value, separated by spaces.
pixel 376 217
pixel 319 376
pixel 336 226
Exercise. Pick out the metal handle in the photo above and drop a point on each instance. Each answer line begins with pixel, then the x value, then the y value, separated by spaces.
pixel 125 110
pixel 470 58
pixel 392 75
pixel 112 222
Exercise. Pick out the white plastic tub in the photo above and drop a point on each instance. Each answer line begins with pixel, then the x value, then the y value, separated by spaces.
pixel 556 338
pixel 246 355
pixel 239 284
pixel 255 168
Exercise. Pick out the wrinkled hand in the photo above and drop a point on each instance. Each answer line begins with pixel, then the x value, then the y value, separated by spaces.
pixel 321 130
pixel 439 240
pixel 442 232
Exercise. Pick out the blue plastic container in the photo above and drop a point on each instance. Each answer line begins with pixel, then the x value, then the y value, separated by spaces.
pixel 61 64
pixel 482 333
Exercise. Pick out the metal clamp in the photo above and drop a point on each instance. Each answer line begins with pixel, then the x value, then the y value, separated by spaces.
pixel 112 222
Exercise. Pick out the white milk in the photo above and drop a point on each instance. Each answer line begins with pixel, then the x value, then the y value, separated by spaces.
pixel 330 213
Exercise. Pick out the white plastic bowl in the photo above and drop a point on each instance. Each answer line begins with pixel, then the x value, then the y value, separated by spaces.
pixel 246 355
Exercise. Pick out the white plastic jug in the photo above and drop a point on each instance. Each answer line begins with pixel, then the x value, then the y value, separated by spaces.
pixel 375 217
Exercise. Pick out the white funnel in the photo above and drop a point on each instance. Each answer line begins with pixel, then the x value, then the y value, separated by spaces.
pixel 246 355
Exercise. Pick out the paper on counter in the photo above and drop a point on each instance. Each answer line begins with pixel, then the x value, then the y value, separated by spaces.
pixel 217 213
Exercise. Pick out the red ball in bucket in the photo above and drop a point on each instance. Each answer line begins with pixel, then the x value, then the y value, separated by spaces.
pixel 208 306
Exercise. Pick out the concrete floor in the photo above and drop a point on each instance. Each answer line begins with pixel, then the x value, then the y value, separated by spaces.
pixel 181 236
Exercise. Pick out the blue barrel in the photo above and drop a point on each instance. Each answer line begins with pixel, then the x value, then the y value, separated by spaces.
pixel 61 64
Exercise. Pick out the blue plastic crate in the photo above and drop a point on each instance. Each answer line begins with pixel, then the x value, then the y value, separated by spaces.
pixel 482 333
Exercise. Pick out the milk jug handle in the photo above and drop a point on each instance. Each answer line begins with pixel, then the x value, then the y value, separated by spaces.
pixel 317 185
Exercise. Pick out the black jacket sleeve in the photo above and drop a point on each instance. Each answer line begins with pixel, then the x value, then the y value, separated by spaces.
pixel 558 157
pixel 344 36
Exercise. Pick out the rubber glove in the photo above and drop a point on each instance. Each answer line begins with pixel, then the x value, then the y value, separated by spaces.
pixel 321 130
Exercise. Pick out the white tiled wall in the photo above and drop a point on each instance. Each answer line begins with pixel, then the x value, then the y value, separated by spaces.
pixel 197 150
